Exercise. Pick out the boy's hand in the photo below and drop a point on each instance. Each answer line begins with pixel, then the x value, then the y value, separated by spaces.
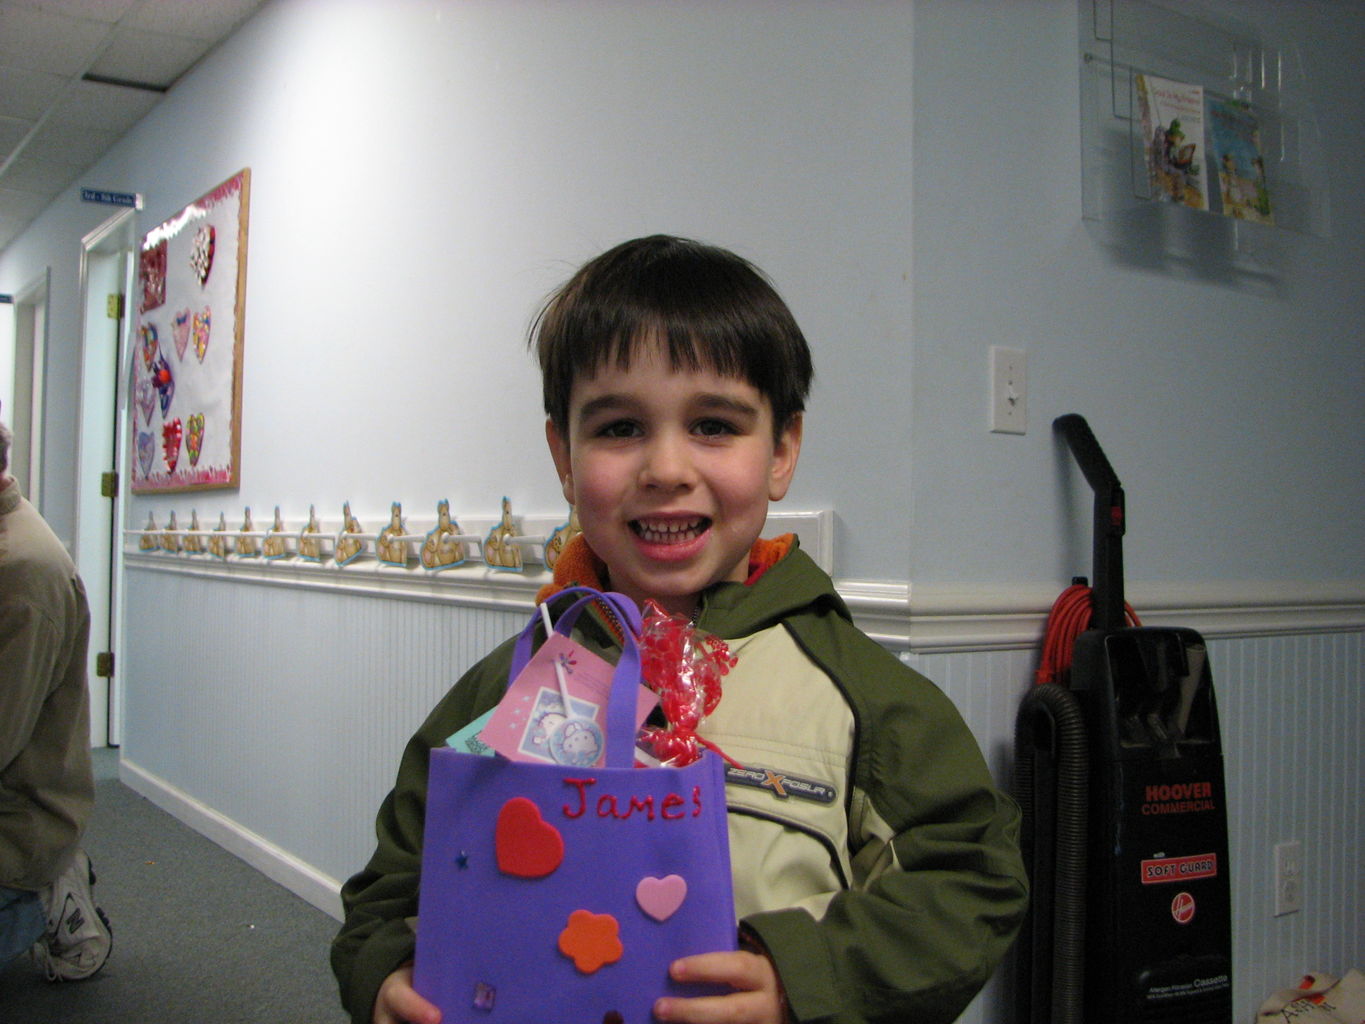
pixel 399 1003
pixel 757 998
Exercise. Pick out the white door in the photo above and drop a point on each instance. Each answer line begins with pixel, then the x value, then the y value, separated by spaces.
pixel 105 271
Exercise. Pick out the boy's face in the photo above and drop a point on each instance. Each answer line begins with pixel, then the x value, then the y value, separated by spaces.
pixel 671 474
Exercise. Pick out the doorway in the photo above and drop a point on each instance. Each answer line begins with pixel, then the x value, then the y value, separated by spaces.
pixel 106 277
pixel 21 393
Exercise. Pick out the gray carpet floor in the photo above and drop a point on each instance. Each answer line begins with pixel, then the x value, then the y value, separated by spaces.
pixel 200 937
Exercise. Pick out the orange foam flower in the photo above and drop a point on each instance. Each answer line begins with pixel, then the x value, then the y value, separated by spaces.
pixel 591 940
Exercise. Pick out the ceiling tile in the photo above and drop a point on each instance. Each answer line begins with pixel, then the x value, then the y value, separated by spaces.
pixel 27 94
pixel 110 108
pixel 40 177
pixel 39 41
pixel 62 143
pixel 17 209
pixel 108 11
pixel 12 132
pixel 207 21
pixel 151 58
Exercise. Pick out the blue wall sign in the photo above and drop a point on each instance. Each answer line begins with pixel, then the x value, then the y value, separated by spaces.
pixel 99 195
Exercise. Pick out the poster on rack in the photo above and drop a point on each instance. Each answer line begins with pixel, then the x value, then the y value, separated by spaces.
pixel 1235 138
pixel 1172 116
pixel 186 382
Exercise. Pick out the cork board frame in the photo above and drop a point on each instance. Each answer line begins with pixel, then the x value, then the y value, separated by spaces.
pixel 186 387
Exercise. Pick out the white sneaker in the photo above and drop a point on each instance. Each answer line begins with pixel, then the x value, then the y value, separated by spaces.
pixel 78 936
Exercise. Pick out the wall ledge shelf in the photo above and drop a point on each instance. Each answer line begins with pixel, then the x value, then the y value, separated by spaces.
pixel 919 618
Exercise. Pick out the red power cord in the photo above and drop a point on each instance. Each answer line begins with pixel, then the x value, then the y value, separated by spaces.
pixel 1070 616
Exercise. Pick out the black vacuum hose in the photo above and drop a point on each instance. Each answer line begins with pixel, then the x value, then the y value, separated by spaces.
pixel 1052 765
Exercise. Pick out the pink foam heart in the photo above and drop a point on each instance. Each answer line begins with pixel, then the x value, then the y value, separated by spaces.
pixel 660 898
pixel 527 845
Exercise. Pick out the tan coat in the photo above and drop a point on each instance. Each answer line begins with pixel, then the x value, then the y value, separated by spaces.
pixel 46 786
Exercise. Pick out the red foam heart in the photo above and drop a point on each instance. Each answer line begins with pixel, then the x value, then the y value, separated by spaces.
pixel 527 845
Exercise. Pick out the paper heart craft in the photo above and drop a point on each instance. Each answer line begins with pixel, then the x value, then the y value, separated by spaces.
pixel 151 346
pixel 527 845
pixel 194 437
pixel 164 382
pixel 152 270
pixel 180 332
pixel 170 443
pixel 200 330
pixel 201 253
pixel 145 398
pixel 146 451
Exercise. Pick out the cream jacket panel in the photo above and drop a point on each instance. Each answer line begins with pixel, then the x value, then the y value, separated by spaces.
pixel 786 722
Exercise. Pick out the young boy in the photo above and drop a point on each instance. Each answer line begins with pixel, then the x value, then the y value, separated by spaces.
pixel 876 870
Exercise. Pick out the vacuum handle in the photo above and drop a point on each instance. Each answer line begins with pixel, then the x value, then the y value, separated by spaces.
pixel 1109 521
pixel 1099 474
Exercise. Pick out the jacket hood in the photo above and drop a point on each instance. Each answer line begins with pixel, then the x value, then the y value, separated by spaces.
pixel 783 580
pixel 791 586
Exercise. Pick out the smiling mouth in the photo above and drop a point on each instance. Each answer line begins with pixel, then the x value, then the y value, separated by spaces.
pixel 670 531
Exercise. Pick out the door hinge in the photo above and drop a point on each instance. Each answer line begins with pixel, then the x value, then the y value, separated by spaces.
pixel 113 306
pixel 104 664
pixel 109 485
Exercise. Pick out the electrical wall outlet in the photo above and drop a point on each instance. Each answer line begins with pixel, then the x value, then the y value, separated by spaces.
pixel 1288 878
pixel 1009 391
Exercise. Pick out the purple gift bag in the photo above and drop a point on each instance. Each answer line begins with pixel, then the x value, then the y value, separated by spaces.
pixel 554 894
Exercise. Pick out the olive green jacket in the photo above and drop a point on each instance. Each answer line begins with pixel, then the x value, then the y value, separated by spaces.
pixel 873 857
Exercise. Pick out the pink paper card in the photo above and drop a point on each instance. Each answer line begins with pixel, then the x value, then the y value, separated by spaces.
pixel 530 723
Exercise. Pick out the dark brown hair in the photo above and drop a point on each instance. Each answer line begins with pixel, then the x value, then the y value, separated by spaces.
pixel 706 306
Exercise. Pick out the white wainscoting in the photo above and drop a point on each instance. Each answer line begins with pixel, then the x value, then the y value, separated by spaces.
pixel 268 710
pixel 1292 714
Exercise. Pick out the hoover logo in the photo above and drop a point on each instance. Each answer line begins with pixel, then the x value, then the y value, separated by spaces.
pixel 1182 908
pixel 1178 798
pixel 1179 869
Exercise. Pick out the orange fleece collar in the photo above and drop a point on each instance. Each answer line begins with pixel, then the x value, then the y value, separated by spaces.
pixel 579 566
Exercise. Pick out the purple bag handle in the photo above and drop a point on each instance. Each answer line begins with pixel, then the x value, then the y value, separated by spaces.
pixel 621 702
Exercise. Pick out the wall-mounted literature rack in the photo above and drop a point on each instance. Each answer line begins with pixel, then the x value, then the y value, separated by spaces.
pixel 1126 42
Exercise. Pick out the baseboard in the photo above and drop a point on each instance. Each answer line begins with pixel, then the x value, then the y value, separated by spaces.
pixel 278 865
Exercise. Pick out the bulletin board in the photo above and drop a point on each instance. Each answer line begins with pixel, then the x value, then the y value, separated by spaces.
pixel 186 383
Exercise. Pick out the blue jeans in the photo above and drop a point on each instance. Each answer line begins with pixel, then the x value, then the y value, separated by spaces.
pixel 22 922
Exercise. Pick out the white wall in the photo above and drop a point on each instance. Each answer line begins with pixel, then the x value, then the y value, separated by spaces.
pixel 908 173
pixel 1228 404
pixel 424 174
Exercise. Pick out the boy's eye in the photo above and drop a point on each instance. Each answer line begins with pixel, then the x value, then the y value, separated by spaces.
pixel 714 428
pixel 619 428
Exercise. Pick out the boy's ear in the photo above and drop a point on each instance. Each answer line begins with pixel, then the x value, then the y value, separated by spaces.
pixel 786 450
pixel 559 451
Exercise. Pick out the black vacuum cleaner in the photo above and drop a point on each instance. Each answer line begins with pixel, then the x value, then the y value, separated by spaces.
pixel 1119 772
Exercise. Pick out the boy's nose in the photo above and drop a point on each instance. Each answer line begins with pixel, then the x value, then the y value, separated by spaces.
pixel 666 464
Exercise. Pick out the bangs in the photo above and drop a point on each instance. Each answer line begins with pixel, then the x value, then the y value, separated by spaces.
pixel 704 308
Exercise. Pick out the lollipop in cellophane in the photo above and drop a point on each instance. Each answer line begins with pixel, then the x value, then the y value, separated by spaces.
pixel 684 665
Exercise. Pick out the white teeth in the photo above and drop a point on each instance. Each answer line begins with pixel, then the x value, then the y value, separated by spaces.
pixel 662 532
